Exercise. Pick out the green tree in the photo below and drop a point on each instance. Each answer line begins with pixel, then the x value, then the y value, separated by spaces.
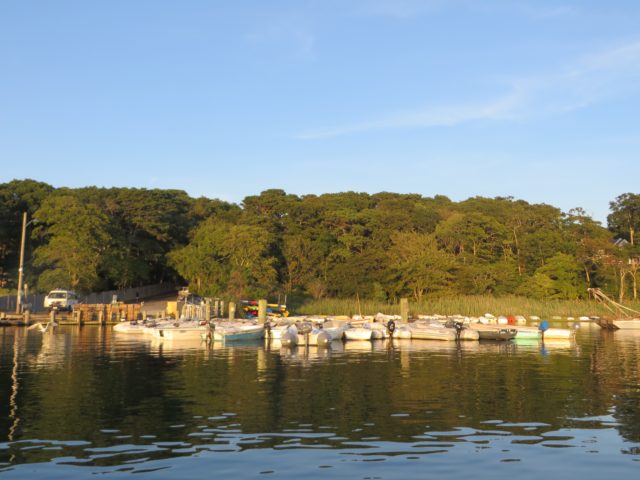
pixel 300 261
pixel 592 243
pixel 223 258
pixel 202 262
pixel 16 197
pixel 418 267
pixel 480 235
pixel 76 239
pixel 624 219
pixel 559 278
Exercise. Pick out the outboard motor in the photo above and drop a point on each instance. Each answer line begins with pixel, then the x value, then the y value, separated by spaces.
pixel 391 327
pixel 458 326
pixel 267 329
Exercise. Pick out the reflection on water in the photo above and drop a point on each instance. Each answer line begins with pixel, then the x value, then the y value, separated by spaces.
pixel 84 401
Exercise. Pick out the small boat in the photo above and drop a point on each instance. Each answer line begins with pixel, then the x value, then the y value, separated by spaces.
pixel 357 333
pixel 335 329
pixel 629 324
pixel 134 327
pixel 493 332
pixel 462 331
pixel 237 332
pixel 432 331
pixel 181 331
pixel 378 330
pixel 276 331
pixel 402 331
pixel 527 332
pixel 469 334
pixel 318 335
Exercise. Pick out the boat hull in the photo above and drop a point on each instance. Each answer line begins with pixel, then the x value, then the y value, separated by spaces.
pixel 238 334
pixel 633 324
pixel 432 333
pixel 129 328
pixel 357 334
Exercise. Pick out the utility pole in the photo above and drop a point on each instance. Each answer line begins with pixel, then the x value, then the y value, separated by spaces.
pixel 24 232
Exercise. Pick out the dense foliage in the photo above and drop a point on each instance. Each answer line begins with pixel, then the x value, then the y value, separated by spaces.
pixel 381 246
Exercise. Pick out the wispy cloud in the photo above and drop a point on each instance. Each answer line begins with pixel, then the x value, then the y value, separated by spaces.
pixel 551 11
pixel 442 116
pixel 288 31
pixel 534 9
pixel 586 81
pixel 404 9
pixel 401 8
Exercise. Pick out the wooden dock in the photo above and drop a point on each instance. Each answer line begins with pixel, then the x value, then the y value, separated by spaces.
pixel 83 314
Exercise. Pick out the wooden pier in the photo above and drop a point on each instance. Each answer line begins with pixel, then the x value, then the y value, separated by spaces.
pixel 83 314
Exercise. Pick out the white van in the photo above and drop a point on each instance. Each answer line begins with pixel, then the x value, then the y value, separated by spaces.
pixel 60 300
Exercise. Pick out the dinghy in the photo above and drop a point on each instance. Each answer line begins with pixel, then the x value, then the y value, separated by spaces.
pixel 335 329
pixel 236 332
pixel 181 331
pixel 630 324
pixel 132 327
pixel 357 334
pixel 527 332
pixel 431 331
pixel 489 332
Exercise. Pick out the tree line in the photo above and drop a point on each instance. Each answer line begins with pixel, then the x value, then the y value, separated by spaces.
pixel 381 246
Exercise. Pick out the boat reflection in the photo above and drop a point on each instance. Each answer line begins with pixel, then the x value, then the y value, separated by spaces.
pixel 304 355
pixel 551 344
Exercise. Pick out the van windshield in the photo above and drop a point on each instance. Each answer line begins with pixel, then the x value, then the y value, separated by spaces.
pixel 57 295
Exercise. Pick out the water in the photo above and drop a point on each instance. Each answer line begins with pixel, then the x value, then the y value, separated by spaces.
pixel 85 402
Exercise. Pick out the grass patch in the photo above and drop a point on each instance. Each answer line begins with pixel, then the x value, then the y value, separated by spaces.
pixel 470 305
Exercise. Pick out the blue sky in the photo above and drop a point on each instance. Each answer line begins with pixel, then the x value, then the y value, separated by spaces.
pixel 535 99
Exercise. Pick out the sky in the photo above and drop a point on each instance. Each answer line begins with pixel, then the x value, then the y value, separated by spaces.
pixel 535 99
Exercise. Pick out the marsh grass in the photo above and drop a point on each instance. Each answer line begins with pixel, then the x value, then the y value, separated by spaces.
pixel 464 305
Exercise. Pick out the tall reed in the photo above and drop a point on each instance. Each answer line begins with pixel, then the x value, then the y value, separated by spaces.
pixel 469 305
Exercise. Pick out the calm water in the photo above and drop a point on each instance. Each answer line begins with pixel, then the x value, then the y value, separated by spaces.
pixel 81 403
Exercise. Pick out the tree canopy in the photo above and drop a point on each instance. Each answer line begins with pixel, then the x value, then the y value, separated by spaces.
pixel 383 246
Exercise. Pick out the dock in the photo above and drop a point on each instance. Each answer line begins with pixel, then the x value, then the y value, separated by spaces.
pixel 83 314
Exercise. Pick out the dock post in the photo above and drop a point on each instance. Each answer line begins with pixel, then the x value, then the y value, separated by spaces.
pixel 101 317
pixel 262 311
pixel 27 317
pixel 207 309
pixel 404 309
pixel 52 316
pixel 232 311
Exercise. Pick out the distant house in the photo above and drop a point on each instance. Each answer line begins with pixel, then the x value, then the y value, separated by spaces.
pixel 620 242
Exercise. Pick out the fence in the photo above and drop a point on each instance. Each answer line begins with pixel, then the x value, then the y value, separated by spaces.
pixel 35 302
pixel 131 294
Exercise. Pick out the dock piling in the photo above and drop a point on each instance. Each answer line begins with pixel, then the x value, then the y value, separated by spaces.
pixel 262 311
pixel 404 309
